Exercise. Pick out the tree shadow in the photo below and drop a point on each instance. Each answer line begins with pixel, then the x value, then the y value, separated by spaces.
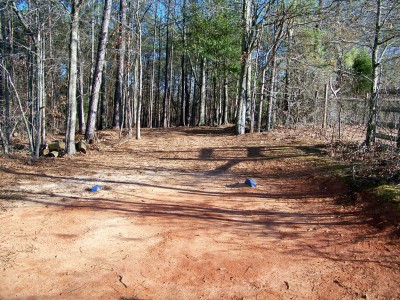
pixel 233 207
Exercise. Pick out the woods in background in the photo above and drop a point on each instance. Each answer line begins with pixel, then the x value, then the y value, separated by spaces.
pixel 83 65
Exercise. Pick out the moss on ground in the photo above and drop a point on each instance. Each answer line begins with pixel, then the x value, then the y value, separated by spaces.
pixel 387 192
pixel 344 170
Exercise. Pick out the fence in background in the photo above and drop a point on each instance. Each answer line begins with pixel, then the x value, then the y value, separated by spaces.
pixel 354 111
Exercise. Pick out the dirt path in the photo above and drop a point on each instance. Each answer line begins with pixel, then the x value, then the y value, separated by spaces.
pixel 174 221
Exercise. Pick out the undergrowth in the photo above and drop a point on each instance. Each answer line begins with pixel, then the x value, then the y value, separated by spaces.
pixel 375 169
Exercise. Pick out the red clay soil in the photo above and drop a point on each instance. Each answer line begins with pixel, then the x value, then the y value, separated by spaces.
pixel 173 220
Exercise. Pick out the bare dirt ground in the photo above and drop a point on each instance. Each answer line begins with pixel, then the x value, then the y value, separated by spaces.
pixel 173 220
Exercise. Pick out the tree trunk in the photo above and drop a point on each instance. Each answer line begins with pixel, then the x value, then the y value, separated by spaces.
pixel 251 98
pixel 103 99
pixel 153 67
pixel 286 105
pixel 94 98
pixel 242 92
pixel 220 104
pixel 135 90
pixel 73 72
pixel 167 61
pixel 5 138
pixel 131 93
pixel 213 111
pixel 187 101
pixel 92 47
pixel 35 122
pixel 140 74
pixel 225 120
pixel 271 95
pixel 158 95
pixel 202 116
pixel 398 136
pixel 80 99
pixel 120 73
pixel 21 109
pixel 373 100
pixel 171 86
pixel 242 100
pixel 44 95
pixel 262 100
pixel 183 92
pixel 39 94
pixel 326 98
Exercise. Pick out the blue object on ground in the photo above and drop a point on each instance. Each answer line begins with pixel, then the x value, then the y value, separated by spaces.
pixel 95 189
pixel 250 182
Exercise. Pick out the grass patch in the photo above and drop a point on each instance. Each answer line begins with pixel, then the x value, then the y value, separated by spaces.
pixel 387 192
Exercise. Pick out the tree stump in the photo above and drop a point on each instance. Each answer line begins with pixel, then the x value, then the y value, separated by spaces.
pixel 81 146
pixel 57 146
pixel 53 154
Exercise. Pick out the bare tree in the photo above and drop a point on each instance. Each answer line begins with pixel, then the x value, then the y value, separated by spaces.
pixel 247 41
pixel 97 76
pixel 73 76
pixel 119 91
pixel 139 78
pixel 36 34
pixel 383 35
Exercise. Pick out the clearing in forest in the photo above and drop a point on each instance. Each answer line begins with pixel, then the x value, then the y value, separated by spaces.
pixel 173 220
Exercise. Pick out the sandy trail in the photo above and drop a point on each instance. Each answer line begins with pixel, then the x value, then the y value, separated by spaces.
pixel 174 221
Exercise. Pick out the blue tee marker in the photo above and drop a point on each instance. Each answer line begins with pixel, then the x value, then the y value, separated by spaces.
pixel 95 189
pixel 250 182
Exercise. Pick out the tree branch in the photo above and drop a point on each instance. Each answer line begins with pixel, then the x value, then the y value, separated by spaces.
pixel 23 21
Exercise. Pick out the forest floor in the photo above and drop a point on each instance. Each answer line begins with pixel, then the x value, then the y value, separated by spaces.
pixel 173 220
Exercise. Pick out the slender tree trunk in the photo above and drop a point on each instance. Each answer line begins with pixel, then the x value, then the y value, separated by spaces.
pixel 5 139
pixel 220 104
pixel 213 111
pixel 129 101
pixel 251 91
pixel 262 100
pixel 158 95
pixel 135 89
pixel 187 101
pixel 171 86
pixel 31 90
pixel 103 99
pixel 398 136
pixel 51 72
pixel 373 100
pixel 73 76
pixel 225 120
pixel 183 92
pixel 94 98
pixel 120 73
pixel 92 44
pixel 39 95
pixel 44 95
pixel 80 98
pixel 326 98
pixel 140 75
pixel 243 93
pixel 286 105
pixel 7 95
pixel 21 109
pixel 183 106
pixel 202 116
pixel 167 61
pixel 234 108
pixel 35 49
pixel 271 96
pixel 153 67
